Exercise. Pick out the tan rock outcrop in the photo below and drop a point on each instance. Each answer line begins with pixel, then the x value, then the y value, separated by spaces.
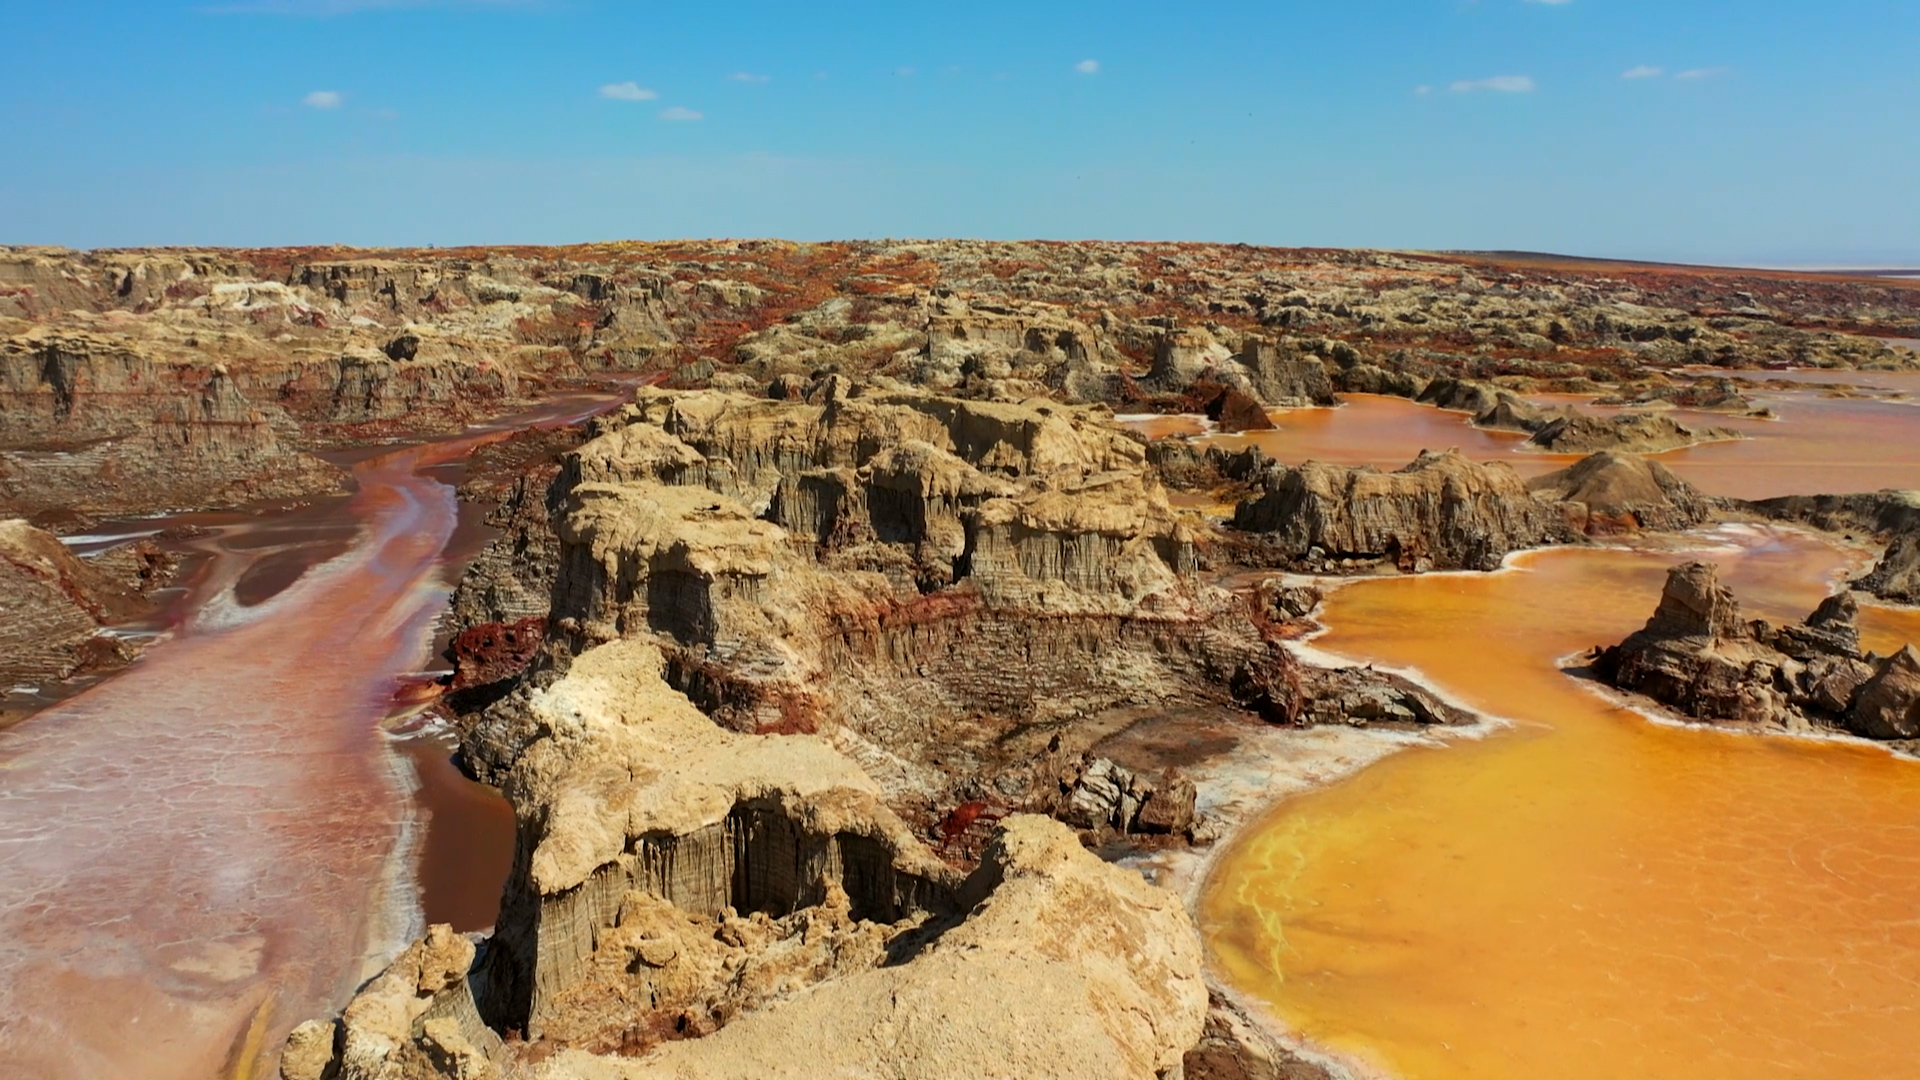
pixel 626 787
pixel 1066 967
pixel 1441 512
pixel 675 880
pixel 1633 433
pixel 1610 493
pixel 905 572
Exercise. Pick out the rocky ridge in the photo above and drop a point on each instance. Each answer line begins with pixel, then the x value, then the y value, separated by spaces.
pixel 1565 429
pixel 1441 512
pixel 212 377
pixel 1611 493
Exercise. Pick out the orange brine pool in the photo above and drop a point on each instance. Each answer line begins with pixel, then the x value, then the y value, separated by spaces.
pixel 1587 894
pixel 1816 442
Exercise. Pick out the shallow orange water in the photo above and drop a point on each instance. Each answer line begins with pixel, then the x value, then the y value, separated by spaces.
pixel 1816 444
pixel 1588 894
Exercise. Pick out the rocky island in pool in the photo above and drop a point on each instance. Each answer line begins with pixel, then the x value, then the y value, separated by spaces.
pixel 951 659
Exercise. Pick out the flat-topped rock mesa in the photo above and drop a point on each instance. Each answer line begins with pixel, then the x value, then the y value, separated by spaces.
pixel 1699 656
pixel 935 581
pixel 56 607
pixel 1441 512
pixel 673 880
pixel 1611 493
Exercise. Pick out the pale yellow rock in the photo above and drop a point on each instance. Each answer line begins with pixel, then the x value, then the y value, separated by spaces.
pixel 1069 968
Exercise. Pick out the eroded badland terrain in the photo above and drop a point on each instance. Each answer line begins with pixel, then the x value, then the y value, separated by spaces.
pixel 854 672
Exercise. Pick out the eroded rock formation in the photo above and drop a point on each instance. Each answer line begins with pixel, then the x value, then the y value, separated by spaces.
pixel 1896 576
pixel 1700 656
pixel 1564 429
pixel 1890 516
pixel 1442 512
pixel 1611 493
pixel 926 577
pixel 1634 433
pixel 204 377
pixel 675 878
pixel 56 608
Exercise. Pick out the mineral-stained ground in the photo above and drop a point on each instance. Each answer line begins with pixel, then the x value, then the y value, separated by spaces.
pixel 810 670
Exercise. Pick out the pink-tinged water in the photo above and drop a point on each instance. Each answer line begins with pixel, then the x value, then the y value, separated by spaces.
pixel 208 837
pixel 218 843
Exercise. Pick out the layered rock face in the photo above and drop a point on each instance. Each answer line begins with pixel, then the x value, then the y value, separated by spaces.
pixel 1442 512
pixel 92 426
pixel 924 578
pixel 1611 493
pixel 674 879
pixel 55 607
pixel 1698 655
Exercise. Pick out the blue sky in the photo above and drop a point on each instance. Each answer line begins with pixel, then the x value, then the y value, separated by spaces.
pixel 1777 132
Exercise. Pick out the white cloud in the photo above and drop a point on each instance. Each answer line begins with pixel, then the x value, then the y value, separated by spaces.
pixel 627 91
pixel 904 72
pixel 1699 73
pixel 1643 72
pixel 1088 67
pixel 748 77
pixel 323 99
pixel 1502 84
pixel 678 114
pixel 1423 90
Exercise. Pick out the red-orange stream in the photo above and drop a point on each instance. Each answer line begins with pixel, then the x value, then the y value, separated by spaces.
pixel 1587 895
pixel 214 845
